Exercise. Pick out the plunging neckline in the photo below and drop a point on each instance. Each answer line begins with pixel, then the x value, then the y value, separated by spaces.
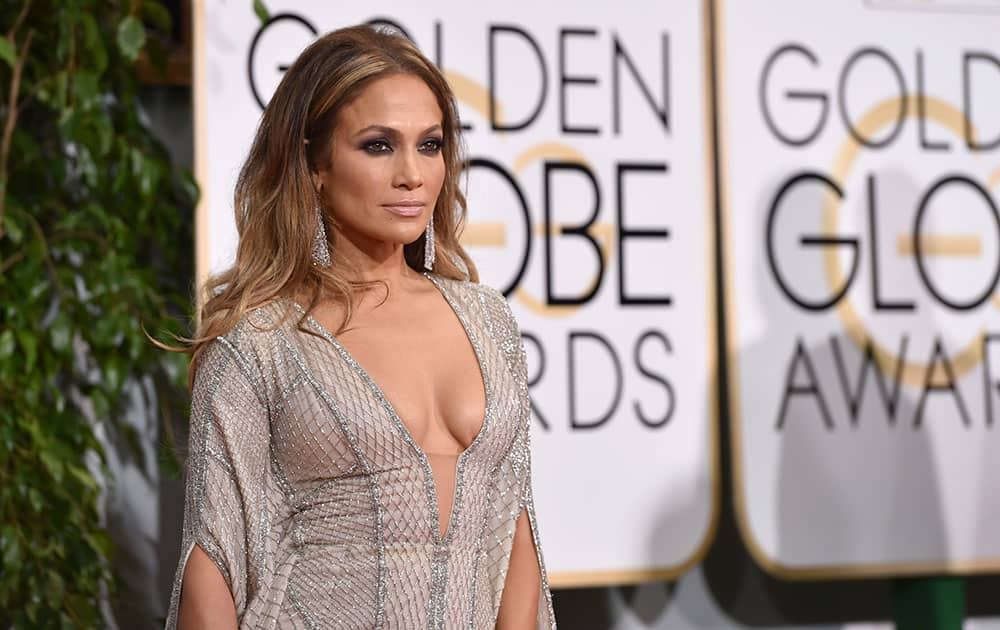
pixel 401 426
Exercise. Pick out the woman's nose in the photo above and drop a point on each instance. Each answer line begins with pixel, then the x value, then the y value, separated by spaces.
pixel 407 173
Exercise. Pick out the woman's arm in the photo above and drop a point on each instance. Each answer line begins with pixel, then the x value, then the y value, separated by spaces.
pixel 206 601
pixel 519 602
pixel 223 550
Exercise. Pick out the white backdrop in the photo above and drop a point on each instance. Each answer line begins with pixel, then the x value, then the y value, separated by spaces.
pixel 860 221
pixel 599 121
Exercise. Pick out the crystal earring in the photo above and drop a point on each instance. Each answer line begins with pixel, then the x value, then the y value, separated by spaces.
pixel 429 245
pixel 321 246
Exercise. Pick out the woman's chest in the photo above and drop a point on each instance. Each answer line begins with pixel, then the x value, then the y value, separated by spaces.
pixel 430 374
pixel 339 417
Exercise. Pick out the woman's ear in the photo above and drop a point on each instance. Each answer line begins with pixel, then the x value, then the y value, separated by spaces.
pixel 316 176
pixel 317 181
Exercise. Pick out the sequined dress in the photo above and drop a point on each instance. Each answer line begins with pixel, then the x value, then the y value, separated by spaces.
pixel 317 505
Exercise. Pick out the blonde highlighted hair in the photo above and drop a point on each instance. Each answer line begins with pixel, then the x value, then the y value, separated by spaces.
pixel 275 201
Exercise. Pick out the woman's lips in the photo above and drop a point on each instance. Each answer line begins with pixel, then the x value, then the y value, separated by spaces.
pixel 405 208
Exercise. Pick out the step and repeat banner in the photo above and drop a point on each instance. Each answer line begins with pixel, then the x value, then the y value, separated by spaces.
pixel 860 169
pixel 590 206
pixel 857 175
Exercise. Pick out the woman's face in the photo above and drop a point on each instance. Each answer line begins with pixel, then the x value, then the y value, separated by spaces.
pixel 386 166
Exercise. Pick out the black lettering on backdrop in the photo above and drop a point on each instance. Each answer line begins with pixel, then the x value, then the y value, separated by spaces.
pixel 626 233
pixel 618 54
pixel 439 59
pixel 877 301
pixel 929 145
pixel 438 46
pixel 967 59
pixel 792 95
pixel 983 134
pixel 852 242
pixel 869 365
pixel 918 248
pixel 811 388
pixel 845 73
pixel 495 30
pixel 574 421
pixel 938 355
pixel 808 241
pixel 654 423
pixel 525 213
pixel 274 19
pixel 988 61
pixel 989 385
pixel 581 230
pixel 565 79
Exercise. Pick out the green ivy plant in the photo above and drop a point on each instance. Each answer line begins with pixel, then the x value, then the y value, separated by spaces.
pixel 95 249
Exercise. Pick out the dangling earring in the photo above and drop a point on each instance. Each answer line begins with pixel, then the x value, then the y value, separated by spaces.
pixel 321 247
pixel 429 245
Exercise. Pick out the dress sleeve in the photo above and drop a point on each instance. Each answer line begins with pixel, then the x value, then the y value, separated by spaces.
pixel 225 507
pixel 517 465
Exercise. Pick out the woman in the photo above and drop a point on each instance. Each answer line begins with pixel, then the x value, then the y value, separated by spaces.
pixel 358 453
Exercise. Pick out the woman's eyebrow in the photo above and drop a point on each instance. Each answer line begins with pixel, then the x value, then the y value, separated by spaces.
pixel 393 133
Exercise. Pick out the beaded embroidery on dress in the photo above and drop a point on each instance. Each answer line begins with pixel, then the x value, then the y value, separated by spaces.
pixel 318 506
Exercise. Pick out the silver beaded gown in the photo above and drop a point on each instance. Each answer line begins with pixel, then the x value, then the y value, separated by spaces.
pixel 318 506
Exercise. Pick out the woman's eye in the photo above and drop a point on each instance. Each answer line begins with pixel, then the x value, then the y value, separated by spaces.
pixel 378 146
pixel 431 146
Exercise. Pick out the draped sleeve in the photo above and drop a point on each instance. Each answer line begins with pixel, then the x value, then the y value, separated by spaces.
pixel 515 472
pixel 228 509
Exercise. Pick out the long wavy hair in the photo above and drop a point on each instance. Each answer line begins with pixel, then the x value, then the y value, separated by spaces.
pixel 275 201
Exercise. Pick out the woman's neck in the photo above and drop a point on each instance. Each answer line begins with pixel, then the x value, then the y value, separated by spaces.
pixel 375 262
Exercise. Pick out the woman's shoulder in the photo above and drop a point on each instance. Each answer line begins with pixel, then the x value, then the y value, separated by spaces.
pixel 255 333
pixel 486 305
pixel 474 294
pixel 262 322
pixel 466 288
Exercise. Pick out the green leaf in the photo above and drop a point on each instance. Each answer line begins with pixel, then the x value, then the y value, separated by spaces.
pixel 104 334
pixel 189 186
pixel 93 42
pixel 131 37
pixel 157 15
pixel 262 13
pixel 149 177
pixel 6 345
pixel 29 343
pixel 114 373
pixel 105 133
pixel 36 499
pixel 12 229
pixel 11 548
pixel 53 464
pixel 60 333
pixel 83 476
pixel 101 404
pixel 52 91
pixel 55 589
pixel 85 160
pixel 31 394
pixel 7 52
pixel 39 288
pixel 85 89
pixel 30 426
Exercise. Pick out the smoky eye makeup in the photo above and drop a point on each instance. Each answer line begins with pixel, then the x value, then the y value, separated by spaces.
pixel 376 145
pixel 432 145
